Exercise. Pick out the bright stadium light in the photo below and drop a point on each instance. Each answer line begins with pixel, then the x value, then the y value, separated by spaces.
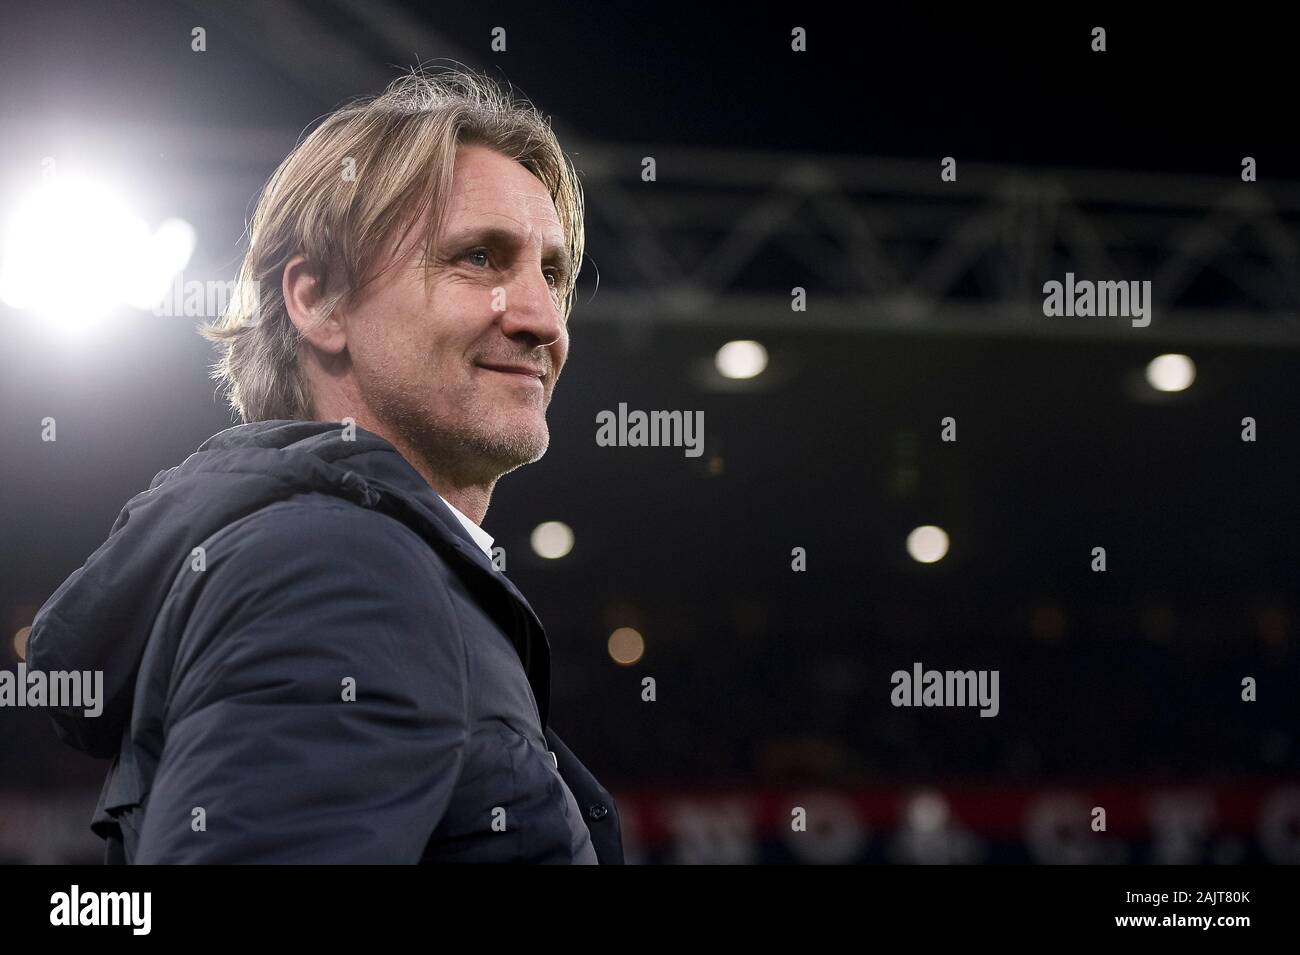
pixel 927 544
pixel 168 252
pixel 1171 372
pixel 552 540
pixel 741 359
pixel 74 251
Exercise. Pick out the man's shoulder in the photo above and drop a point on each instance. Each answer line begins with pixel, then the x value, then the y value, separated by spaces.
pixel 321 526
pixel 297 602
pixel 313 564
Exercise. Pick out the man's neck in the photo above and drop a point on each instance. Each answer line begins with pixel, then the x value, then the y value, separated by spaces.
pixel 467 493
pixel 470 499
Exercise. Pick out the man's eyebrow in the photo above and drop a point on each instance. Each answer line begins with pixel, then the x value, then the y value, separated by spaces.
pixel 553 254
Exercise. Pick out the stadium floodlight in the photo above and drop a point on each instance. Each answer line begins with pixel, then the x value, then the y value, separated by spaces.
pixel 74 251
pixel 1172 372
pixel 741 359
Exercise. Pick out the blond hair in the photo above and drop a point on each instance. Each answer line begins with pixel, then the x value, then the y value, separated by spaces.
pixel 399 148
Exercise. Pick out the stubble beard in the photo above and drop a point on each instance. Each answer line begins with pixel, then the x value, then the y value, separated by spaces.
pixel 466 440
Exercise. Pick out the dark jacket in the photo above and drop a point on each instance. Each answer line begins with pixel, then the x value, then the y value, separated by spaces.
pixel 328 568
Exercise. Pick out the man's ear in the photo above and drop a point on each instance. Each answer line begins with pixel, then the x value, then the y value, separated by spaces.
pixel 303 299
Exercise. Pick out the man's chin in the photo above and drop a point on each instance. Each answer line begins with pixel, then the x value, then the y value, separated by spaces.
pixel 511 450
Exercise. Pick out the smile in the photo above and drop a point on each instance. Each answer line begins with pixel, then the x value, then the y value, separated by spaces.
pixel 521 375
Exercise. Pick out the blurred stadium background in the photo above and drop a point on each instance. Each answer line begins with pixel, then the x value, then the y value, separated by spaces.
pixel 774 170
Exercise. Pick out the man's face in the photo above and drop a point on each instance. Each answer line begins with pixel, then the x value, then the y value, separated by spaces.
pixel 462 360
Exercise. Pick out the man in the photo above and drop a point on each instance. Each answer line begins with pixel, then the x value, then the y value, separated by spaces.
pixel 308 655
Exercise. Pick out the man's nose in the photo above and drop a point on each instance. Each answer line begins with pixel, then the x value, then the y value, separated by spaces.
pixel 532 308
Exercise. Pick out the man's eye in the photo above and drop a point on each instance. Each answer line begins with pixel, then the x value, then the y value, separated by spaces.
pixel 552 275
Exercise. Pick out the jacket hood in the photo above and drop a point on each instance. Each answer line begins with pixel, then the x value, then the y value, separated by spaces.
pixel 101 617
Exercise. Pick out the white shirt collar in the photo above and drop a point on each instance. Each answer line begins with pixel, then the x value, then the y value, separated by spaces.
pixel 481 537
